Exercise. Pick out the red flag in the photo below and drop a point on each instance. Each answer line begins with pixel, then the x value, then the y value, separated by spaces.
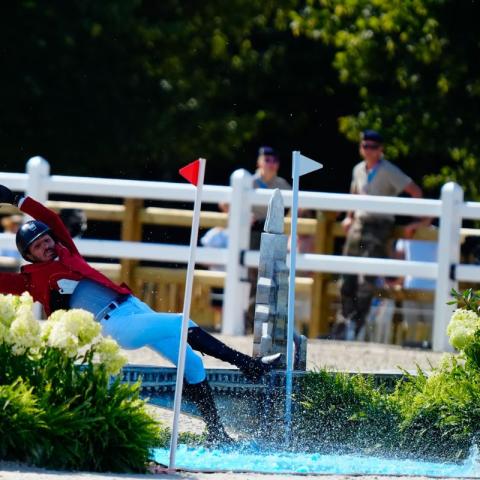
pixel 190 172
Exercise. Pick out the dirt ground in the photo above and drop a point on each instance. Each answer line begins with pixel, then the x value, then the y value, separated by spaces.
pixel 10 471
pixel 340 356
pixel 334 355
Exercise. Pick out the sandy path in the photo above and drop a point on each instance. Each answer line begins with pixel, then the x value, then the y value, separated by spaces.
pixel 347 356
pixel 11 471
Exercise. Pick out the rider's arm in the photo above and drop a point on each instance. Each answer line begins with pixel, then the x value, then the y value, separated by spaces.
pixel 14 283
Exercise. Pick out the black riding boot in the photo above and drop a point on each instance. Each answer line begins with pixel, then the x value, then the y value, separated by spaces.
pixel 252 368
pixel 201 395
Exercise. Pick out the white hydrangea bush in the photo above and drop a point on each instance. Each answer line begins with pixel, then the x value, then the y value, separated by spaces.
pixel 462 328
pixel 109 354
pixel 74 333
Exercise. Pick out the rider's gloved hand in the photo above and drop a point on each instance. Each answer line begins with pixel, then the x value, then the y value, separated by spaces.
pixel 7 196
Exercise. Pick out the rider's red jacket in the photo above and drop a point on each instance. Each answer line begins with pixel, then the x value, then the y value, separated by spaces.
pixel 41 278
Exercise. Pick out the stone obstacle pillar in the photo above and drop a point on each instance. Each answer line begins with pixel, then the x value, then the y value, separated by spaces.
pixel 271 303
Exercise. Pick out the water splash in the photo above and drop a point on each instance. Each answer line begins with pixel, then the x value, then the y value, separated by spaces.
pixel 253 459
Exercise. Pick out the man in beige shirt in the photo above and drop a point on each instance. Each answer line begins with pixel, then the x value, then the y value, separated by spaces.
pixel 367 234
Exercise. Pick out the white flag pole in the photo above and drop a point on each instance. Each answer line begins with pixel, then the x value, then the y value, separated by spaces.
pixel 186 311
pixel 301 165
pixel 291 294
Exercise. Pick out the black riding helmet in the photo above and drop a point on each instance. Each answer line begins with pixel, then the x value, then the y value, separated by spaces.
pixel 27 234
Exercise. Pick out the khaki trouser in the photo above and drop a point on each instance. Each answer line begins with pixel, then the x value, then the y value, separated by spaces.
pixel 366 238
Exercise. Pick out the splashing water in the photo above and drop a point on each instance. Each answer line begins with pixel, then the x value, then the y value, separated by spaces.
pixel 254 460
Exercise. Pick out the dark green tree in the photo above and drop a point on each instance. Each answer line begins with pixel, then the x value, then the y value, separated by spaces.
pixel 414 66
pixel 136 88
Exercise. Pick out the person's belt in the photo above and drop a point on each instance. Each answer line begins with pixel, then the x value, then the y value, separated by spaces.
pixel 104 313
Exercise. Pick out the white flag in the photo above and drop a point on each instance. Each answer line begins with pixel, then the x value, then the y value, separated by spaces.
pixel 307 165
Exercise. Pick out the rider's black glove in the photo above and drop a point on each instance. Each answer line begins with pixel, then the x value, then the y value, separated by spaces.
pixel 7 196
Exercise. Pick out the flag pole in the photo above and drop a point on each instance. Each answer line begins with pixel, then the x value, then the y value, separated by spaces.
pixel 291 296
pixel 186 310
pixel 301 165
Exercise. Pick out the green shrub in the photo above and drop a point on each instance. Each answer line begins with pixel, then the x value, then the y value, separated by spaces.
pixel 61 408
pixel 440 413
pixel 22 422
pixel 102 428
pixel 185 438
pixel 431 416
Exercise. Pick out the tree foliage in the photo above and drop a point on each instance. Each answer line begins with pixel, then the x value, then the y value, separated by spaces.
pixel 134 88
pixel 137 87
pixel 412 63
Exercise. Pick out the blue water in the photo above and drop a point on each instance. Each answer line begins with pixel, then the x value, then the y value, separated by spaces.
pixel 201 458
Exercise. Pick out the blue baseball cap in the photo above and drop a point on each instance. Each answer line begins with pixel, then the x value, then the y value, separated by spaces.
pixel 372 135
pixel 264 150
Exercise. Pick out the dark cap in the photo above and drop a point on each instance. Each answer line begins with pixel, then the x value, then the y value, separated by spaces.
pixel 267 151
pixel 372 135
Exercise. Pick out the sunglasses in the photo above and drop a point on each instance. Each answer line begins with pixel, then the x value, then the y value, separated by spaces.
pixel 270 159
pixel 370 146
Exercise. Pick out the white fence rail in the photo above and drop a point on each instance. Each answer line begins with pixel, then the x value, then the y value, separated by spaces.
pixel 450 208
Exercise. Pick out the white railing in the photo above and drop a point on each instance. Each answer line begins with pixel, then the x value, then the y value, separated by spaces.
pixel 451 209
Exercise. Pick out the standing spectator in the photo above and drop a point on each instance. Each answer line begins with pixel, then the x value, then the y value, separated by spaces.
pixel 367 234
pixel 266 176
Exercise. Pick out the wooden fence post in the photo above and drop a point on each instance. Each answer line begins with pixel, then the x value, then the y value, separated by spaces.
pixel 132 232
pixel 320 301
